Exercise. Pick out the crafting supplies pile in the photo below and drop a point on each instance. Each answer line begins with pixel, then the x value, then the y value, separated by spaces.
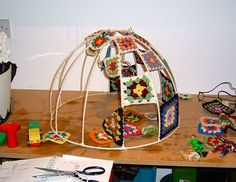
pixel 141 116
pixel 214 129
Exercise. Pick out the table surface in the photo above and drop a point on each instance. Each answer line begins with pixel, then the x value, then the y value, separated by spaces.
pixel 34 104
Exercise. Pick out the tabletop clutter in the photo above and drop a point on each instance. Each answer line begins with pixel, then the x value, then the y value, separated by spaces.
pixel 137 89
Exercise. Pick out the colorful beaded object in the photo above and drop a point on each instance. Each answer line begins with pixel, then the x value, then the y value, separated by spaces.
pixel 138 90
pixel 151 60
pixel 133 117
pixel 169 114
pixel 100 137
pixel 216 107
pixel 125 44
pixel 60 137
pixel 130 130
pixel 190 155
pixel 113 126
pixel 167 88
pixel 113 66
pixel 210 126
pixel 127 71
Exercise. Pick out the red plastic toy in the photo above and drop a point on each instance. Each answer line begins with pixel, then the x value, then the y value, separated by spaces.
pixel 10 129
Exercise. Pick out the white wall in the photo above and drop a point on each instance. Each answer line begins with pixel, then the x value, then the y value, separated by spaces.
pixel 197 37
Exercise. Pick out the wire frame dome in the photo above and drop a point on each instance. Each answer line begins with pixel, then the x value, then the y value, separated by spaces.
pixel 131 114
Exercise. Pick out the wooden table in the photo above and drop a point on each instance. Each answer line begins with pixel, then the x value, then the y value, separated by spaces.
pixel 33 104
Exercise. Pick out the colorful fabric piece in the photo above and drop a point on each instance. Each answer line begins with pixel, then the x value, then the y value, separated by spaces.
pixel 216 107
pixel 149 130
pixel 169 70
pixel 127 71
pixel 130 130
pixel 152 61
pixel 167 88
pixel 132 117
pixel 210 126
pixel 100 137
pixel 113 66
pixel 125 44
pixel 58 137
pixel 151 116
pixel 99 41
pixel 169 114
pixel 113 126
pixel 227 121
pixel 138 90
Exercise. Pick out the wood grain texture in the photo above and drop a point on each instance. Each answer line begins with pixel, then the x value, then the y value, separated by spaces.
pixel 33 104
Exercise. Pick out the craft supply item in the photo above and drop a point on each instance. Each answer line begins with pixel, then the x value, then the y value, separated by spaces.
pixel 169 113
pixel 230 146
pixel 10 129
pixel 227 121
pixel 167 88
pixel 151 60
pixel 100 137
pixel 60 137
pixel 198 146
pixel 151 116
pixel 113 126
pixel 185 96
pixel 130 129
pixel 149 130
pixel 90 171
pixel 216 107
pixel 133 117
pixel 231 98
pixel 190 155
pixel 2 138
pixel 210 126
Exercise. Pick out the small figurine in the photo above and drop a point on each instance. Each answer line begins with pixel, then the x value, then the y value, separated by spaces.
pixel 198 146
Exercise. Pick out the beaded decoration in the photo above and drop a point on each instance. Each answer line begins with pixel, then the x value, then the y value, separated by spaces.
pixel 138 90
pixel 227 121
pixel 130 130
pixel 210 126
pixel 113 126
pixel 216 107
pixel 169 113
pixel 149 130
pixel 60 137
pixel 151 60
pixel 167 88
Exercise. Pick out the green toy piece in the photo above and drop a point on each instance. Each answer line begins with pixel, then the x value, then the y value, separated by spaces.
pixel 2 138
pixel 198 146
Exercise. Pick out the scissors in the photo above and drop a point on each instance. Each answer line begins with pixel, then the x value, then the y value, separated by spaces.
pixel 90 171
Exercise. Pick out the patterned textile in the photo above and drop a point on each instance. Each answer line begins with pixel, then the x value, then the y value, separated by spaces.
pixel 58 137
pixel 113 66
pixel 99 41
pixel 216 107
pixel 151 60
pixel 125 44
pixel 113 126
pixel 210 126
pixel 100 137
pixel 169 113
pixel 127 71
pixel 138 90
pixel 132 117
pixel 167 88
pixel 130 130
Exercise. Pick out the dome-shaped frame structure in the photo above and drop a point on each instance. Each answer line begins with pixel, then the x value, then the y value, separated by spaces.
pixel 133 89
